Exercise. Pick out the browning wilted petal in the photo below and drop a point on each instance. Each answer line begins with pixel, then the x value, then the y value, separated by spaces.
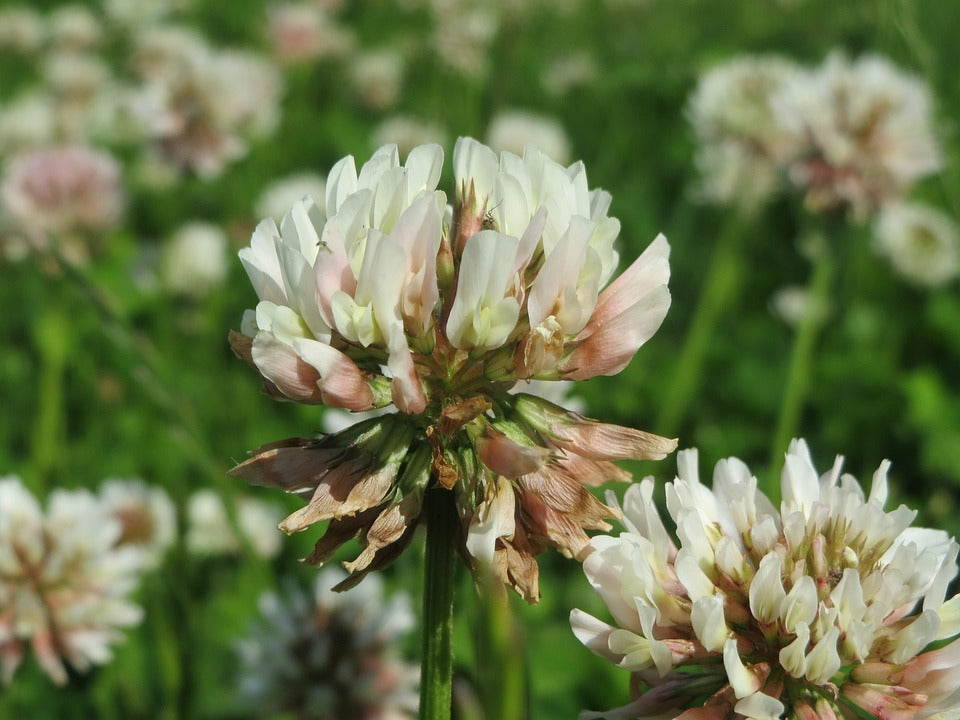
pixel 296 464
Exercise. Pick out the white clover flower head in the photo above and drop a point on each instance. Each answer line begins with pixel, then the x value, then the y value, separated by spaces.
pixel 147 517
pixel 390 299
pixel 921 243
pixel 210 532
pixel 65 581
pixel 513 130
pixel 462 33
pixel 62 191
pixel 330 655
pixel 568 72
pixel 792 303
pixel 139 14
pixel 27 123
pixel 741 140
pixel 280 195
pixel 74 27
pixel 22 29
pixel 825 609
pixel 201 106
pixel 195 260
pixel 377 76
pixel 864 129
pixel 300 32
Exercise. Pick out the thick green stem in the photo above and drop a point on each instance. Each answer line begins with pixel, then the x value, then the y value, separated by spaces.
pixel 436 664
pixel 801 359
pixel 52 342
pixel 718 292
pixel 501 673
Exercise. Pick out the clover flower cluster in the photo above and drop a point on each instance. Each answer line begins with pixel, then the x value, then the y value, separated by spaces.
pixel 66 574
pixel 831 608
pixel 395 298
pixel 848 134
pixel 323 654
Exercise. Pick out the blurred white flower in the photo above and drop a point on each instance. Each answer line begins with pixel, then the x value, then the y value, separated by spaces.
pixel 741 140
pixel 462 33
pixel 280 195
pixel 568 72
pixel 22 29
pixel 921 243
pixel 134 14
pixel 65 581
pixel 147 517
pixel 160 51
pixel 61 191
pixel 406 132
pixel 792 303
pixel 27 123
pixel 209 531
pixel 823 610
pixel 200 106
pixel 194 260
pixel 376 77
pixel 300 32
pixel 330 655
pixel 865 132
pixel 74 27
pixel 513 130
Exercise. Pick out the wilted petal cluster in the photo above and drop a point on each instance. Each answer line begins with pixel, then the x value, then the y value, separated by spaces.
pixel 391 297
pixel 66 576
pixel 830 608
pixel 321 654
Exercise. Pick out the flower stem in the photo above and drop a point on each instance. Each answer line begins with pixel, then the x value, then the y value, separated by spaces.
pixel 436 668
pixel 718 292
pixel 51 335
pixel 801 358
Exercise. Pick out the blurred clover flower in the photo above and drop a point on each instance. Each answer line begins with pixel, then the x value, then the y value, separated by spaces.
pixel 921 243
pixel 65 580
pixel 147 517
pixel 864 133
pixel 279 196
pixel 209 531
pixel 513 130
pixel 194 260
pixel 741 139
pixel 831 608
pixel 301 32
pixel 323 654
pixel 396 298
pixel 61 193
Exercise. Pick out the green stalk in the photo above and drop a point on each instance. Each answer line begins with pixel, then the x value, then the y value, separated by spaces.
pixel 718 292
pixel 501 675
pixel 436 664
pixel 51 337
pixel 800 363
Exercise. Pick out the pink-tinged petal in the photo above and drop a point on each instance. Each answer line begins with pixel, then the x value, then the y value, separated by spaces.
pixel 338 242
pixel 406 389
pixel 280 364
pixel 295 465
pixel 508 458
pixel 418 232
pixel 554 290
pixel 885 701
pixel 647 272
pixel 339 381
pixel 611 346
pixel 604 441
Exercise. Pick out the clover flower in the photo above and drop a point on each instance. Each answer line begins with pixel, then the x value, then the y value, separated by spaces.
pixel 209 531
pixel 147 517
pixel 280 195
pixel 865 133
pixel 322 654
pixel 741 140
pixel 201 106
pixel 65 580
pixel 61 193
pixel 831 608
pixel 394 298
pixel 300 32
pixel 921 243
pixel 194 259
